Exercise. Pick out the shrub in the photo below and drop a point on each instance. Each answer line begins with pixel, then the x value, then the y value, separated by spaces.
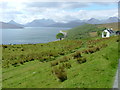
pixel 62 53
pixel 22 61
pixel 22 49
pixel 91 50
pixel 15 64
pixel 90 46
pixel 66 65
pixel 54 63
pixel 77 55
pixel 4 46
pixel 64 59
pixel 104 45
pixel 44 58
pixel 60 73
pixel 5 63
pixel 117 40
pixel 81 60
pixel 97 48
pixel 85 51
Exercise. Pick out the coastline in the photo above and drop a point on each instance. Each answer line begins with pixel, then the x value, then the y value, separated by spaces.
pixel 61 31
pixel 29 43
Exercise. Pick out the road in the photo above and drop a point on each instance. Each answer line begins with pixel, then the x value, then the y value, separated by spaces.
pixel 117 77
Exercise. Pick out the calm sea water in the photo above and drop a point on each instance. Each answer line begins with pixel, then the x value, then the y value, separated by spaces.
pixel 30 35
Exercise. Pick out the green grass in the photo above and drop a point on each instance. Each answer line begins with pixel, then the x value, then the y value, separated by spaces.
pixel 83 31
pixel 19 54
pixel 97 72
pixel 114 26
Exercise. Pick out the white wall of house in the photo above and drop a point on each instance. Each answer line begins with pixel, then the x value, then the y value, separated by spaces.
pixel 107 34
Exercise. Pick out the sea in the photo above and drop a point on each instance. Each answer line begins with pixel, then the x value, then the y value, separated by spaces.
pixel 30 35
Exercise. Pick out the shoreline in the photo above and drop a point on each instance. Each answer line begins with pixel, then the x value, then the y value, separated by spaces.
pixel 65 33
pixel 29 43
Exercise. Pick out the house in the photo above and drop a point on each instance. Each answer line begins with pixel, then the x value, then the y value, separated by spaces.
pixel 117 32
pixel 108 33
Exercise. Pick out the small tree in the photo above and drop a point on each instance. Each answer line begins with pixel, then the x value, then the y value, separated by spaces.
pixel 99 33
pixel 60 36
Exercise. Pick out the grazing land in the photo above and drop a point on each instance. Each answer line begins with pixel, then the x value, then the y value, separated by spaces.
pixel 83 31
pixel 110 25
pixel 85 63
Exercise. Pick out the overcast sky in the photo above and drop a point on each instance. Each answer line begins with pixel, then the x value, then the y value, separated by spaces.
pixel 26 11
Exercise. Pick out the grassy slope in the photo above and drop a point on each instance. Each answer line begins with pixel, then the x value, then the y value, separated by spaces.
pixel 110 25
pixel 87 30
pixel 16 54
pixel 83 31
pixel 97 72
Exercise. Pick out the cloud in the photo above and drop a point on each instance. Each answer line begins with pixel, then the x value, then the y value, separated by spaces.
pixel 61 0
pixel 63 5
pixel 23 12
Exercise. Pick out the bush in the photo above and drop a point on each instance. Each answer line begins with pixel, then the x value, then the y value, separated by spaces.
pixel 97 48
pixel 117 40
pixel 90 46
pixel 77 55
pixel 5 63
pixel 104 45
pixel 85 51
pixel 64 59
pixel 60 73
pixel 22 61
pixel 81 60
pixel 22 49
pixel 4 46
pixel 66 65
pixel 91 50
pixel 62 53
pixel 54 63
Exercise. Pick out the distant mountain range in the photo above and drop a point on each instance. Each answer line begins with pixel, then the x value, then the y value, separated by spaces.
pixel 51 23
pixel 14 23
pixel 40 23
pixel 71 24
pixel 4 25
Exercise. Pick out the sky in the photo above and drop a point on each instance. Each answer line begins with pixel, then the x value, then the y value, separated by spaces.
pixel 25 11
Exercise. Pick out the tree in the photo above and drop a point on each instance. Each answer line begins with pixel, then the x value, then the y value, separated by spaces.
pixel 60 36
pixel 99 33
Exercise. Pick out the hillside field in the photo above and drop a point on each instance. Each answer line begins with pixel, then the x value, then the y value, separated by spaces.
pixel 110 25
pixel 85 63
pixel 84 31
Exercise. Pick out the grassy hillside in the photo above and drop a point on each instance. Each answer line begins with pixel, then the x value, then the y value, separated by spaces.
pixel 89 63
pixel 110 25
pixel 83 31
pixel 16 55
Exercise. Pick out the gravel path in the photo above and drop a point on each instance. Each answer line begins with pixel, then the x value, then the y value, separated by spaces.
pixel 116 84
